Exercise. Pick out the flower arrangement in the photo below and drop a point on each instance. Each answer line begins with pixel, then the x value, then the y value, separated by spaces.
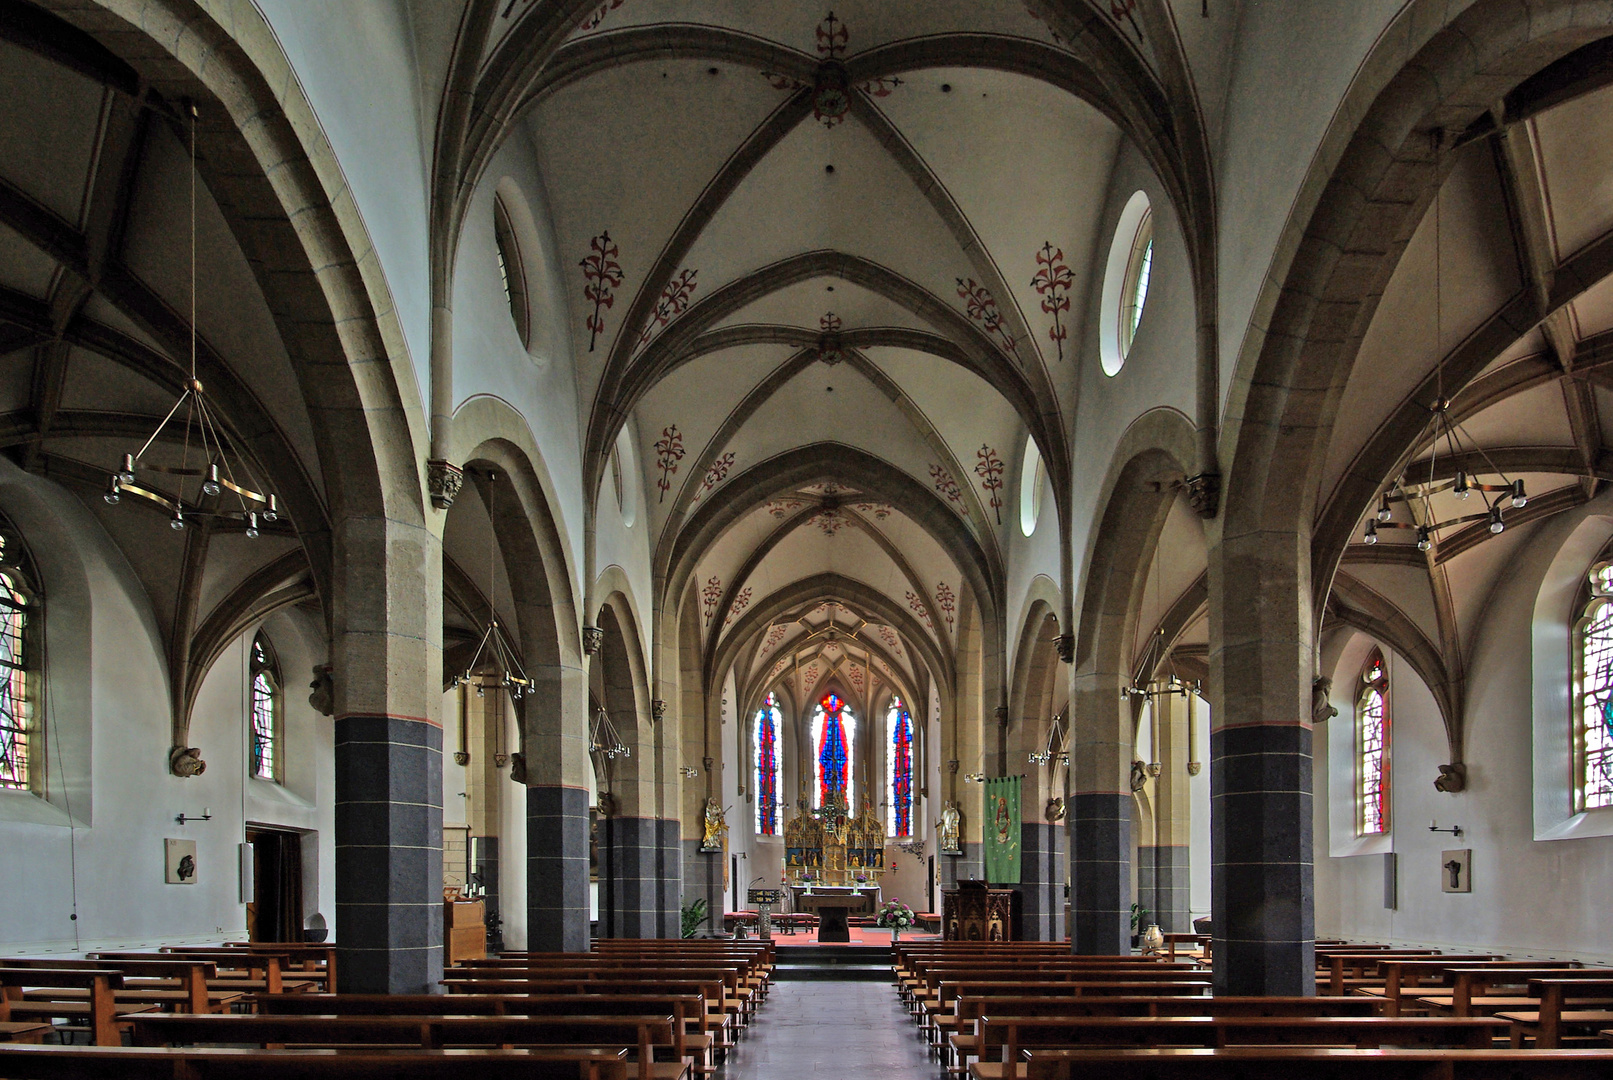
pixel 895 915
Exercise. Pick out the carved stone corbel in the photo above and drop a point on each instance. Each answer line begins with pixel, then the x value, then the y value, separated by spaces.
pixel 186 761
pixel 1204 494
pixel 323 698
pixel 1065 644
pixel 443 481
pixel 518 767
pixel 1322 709
pixel 657 711
pixel 1452 778
pixel 1139 775
pixel 592 638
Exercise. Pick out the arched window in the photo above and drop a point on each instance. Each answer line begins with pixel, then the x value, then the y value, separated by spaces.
pixel 1372 743
pixel 766 735
pixel 899 768
pixel 834 737
pixel 1593 741
pixel 264 672
pixel 19 740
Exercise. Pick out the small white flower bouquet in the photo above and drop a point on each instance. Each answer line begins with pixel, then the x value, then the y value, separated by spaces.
pixel 895 915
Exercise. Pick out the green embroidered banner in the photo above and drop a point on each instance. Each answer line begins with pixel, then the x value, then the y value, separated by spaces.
pixel 1000 831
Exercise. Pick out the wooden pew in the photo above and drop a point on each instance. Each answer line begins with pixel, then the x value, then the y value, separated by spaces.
pixel 644 1033
pixel 101 1013
pixel 1471 986
pixel 1400 972
pixel 687 1010
pixel 1350 968
pixel 718 1021
pixel 1002 1037
pixel 309 960
pixel 964 1043
pixel 154 1063
pixel 1565 1004
pixel 1287 1063
pixel 264 970
pixel 736 1000
pixel 176 985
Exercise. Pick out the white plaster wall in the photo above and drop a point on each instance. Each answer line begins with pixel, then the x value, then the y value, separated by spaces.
pixel 1530 898
pixel 106 707
pixel 359 67
pixel 1294 61
pixel 538 381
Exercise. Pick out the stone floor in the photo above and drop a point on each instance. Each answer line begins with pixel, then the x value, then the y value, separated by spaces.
pixel 830 1029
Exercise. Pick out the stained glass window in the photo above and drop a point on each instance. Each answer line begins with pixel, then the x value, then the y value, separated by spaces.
pixel 265 675
pixel 834 735
pixel 767 787
pixel 1594 738
pixel 899 768
pixel 16 734
pixel 1372 738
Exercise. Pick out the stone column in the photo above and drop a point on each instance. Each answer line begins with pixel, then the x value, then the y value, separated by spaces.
pixel 555 718
pixel 1262 659
pixel 1162 859
pixel 1099 815
pixel 1039 877
pixel 387 660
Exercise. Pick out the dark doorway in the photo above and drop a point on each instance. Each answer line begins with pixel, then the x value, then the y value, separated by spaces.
pixel 275 913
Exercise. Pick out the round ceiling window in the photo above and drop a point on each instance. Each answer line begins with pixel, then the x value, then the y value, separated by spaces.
pixel 1031 477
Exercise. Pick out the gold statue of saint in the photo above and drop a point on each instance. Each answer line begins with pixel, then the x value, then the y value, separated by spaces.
pixel 716 829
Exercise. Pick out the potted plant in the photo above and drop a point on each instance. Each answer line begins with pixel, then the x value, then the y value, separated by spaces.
pixel 896 916
pixel 694 914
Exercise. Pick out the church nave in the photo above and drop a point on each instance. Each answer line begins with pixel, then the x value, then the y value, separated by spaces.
pixel 831 1029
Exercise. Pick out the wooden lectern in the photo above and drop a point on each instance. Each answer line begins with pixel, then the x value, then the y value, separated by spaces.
pixel 976 912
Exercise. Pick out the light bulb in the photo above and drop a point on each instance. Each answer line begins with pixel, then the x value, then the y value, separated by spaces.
pixel 1496 524
pixel 252 526
pixel 1372 533
pixel 1462 489
pixel 126 476
pixel 111 495
pixel 1519 499
pixel 271 509
pixel 178 522
pixel 210 486
pixel 1383 508
pixel 1423 542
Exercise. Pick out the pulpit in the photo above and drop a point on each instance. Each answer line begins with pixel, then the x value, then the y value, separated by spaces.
pixel 976 912
pixel 833 906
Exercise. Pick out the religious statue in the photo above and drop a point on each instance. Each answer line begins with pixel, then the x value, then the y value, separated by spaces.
pixel 716 827
pixel 948 829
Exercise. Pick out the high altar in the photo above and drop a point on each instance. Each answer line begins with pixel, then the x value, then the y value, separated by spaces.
pixel 834 862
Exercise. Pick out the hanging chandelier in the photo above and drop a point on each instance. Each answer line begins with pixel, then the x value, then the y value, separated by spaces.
pixel 1509 494
pixel 1418 496
pixel 1149 687
pixel 604 740
pixel 1054 750
pixel 494 648
pixel 220 494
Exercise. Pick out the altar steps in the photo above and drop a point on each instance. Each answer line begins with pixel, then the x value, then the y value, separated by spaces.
pixel 833 963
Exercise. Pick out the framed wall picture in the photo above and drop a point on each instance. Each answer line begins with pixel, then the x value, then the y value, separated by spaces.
pixel 180 859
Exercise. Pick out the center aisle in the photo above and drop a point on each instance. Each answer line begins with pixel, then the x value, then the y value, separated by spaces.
pixel 830 1029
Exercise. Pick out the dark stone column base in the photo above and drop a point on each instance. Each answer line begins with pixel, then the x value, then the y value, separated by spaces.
pixel 388 854
pixel 1040 886
pixel 629 904
pixel 1100 873
pixel 1262 888
pixel 556 869
pixel 1163 882
pixel 669 871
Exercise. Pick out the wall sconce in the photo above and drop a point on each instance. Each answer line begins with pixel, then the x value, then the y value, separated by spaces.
pixel 1454 830
pixel 207 815
pixel 974 778
pixel 688 771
